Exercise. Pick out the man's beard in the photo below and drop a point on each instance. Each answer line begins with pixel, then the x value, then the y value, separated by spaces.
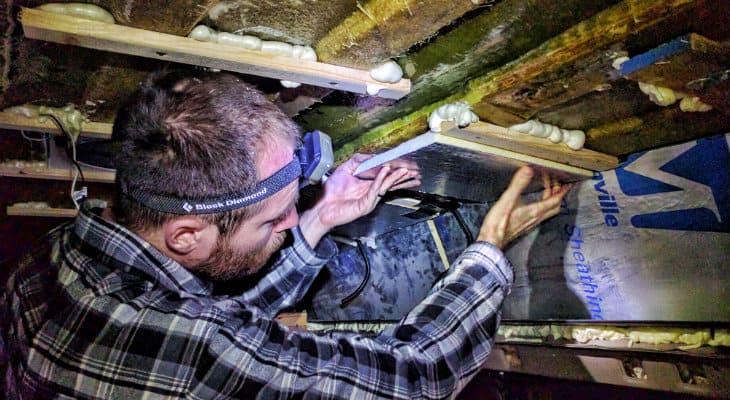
pixel 226 262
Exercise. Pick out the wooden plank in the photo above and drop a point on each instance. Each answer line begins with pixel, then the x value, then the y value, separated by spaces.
pixel 613 25
pixel 504 138
pixel 41 212
pixel 19 122
pixel 554 87
pixel 56 174
pixel 65 29
pixel 467 170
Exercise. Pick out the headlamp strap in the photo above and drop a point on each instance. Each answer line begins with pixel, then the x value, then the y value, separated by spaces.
pixel 226 202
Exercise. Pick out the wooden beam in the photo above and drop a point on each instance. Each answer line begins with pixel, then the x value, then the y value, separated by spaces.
pixel 623 100
pixel 555 87
pixel 504 138
pixel 69 30
pixel 19 122
pixel 41 212
pixel 382 29
pixel 691 64
pixel 174 17
pixel 56 174
pixel 441 68
pixel 661 128
pixel 614 25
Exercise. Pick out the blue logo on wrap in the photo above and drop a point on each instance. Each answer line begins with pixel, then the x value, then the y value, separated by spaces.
pixel 674 178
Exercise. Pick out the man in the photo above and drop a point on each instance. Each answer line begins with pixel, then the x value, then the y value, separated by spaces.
pixel 120 303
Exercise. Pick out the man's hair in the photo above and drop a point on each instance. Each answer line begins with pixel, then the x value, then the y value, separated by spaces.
pixel 192 135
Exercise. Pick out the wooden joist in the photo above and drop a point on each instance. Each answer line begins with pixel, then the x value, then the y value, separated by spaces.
pixel 19 122
pixel 611 26
pixel 437 71
pixel 382 29
pixel 177 18
pixel 41 212
pixel 691 64
pixel 56 174
pixel 664 127
pixel 553 88
pixel 64 29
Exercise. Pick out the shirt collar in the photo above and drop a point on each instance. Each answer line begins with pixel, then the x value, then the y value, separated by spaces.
pixel 119 246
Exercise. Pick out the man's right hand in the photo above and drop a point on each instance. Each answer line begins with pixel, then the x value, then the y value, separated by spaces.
pixel 347 197
pixel 510 218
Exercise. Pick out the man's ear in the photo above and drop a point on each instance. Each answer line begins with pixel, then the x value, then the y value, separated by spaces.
pixel 187 234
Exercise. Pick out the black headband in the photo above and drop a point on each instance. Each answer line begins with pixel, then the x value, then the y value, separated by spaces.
pixel 226 202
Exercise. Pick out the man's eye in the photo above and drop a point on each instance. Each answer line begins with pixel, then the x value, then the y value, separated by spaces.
pixel 280 218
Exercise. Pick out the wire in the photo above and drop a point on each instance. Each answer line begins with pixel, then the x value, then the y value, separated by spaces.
pixel 73 145
pixel 365 279
pixel 462 224
pixel 32 139
pixel 78 172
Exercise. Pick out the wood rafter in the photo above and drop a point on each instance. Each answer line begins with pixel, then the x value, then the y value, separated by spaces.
pixel 608 27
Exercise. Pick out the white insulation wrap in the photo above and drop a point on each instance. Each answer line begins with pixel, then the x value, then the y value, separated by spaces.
pixel 649 240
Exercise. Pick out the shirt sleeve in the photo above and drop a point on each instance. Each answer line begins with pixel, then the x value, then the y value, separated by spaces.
pixel 128 342
pixel 291 275
pixel 432 352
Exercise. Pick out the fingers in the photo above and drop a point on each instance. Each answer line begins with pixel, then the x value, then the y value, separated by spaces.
pixel 387 180
pixel 520 180
pixel 407 184
pixel 374 193
pixel 403 163
pixel 353 162
pixel 551 185
pixel 411 179
pixel 396 177
pixel 550 206
pixel 547 185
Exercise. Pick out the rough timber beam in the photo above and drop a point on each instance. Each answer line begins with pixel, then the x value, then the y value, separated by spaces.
pixel 65 29
pixel 555 88
pixel 176 18
pixel 440 68
pixel 691 64
pixel 381 29
pixel 606 28
pixel 660 128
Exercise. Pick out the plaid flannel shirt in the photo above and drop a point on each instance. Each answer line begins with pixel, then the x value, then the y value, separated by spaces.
pixel 101 314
